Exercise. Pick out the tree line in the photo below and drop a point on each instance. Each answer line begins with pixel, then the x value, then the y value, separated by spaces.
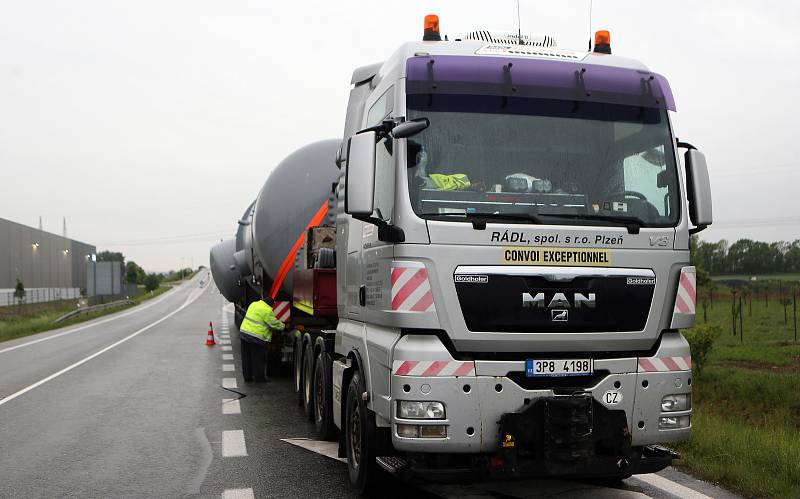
pixel 134 274
pixel 745 256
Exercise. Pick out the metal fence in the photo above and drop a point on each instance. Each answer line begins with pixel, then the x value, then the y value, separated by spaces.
pixel 39 295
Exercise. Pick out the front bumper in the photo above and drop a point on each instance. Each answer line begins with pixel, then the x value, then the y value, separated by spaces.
pixel 477 394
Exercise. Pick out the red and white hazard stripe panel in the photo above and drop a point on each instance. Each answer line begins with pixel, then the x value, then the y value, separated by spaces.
pixel 686 299
pixel 411 289
pixel 282 310
pixel 665 364
pixel 433 368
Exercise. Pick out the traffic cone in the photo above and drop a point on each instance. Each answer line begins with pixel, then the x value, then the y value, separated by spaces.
pixel 210 338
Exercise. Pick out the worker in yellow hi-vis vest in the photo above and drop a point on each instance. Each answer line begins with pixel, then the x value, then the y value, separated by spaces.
pixel 260 320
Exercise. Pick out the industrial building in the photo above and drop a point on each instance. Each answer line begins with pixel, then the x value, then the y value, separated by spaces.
pixel 46 263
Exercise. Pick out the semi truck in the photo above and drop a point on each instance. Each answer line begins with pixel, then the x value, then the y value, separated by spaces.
pixel 488 274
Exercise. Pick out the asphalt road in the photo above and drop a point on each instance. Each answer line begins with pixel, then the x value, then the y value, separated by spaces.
pixel 135 405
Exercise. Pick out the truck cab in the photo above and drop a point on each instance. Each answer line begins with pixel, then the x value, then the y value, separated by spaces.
pixel 512 226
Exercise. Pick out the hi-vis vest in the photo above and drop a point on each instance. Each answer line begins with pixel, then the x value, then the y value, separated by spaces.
pixel 260 321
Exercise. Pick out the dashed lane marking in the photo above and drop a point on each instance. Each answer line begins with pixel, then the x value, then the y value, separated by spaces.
pixel 238 494
pixel 670 487
pixel 233 443
pixel 227 348
pixel 322 447
pixel 227 356
pixel 229 383
pixel 224 342
pixel 227 367
pixel 231 406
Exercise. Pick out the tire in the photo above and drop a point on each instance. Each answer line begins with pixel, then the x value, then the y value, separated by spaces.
pixel 258 361
pixel 323 397
pixel 308 376
pixel 359 431
pixel 326 258
pixel 298 369
pixel 247 366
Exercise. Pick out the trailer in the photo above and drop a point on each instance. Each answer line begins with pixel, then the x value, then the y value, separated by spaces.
pixel 488 275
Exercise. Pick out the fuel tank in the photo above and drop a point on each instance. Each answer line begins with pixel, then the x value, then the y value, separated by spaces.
pixel 295 196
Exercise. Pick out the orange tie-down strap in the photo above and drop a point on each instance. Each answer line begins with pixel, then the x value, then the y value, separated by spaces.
pixel 289 260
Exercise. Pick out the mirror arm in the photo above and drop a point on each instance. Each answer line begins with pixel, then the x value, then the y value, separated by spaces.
pixel 699 228
pixel 387 233
pixel 684 145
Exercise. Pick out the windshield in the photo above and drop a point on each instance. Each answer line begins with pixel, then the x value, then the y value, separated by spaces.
pixel 573 160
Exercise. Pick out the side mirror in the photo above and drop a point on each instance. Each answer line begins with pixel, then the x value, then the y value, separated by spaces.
pixel 360 175
pixel 699 189
pixel 410 128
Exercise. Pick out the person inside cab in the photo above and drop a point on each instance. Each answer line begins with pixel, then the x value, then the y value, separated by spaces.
pixel 260 319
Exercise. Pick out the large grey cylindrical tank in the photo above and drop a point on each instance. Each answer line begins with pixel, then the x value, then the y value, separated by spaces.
pixel 294 194
pixel 223 269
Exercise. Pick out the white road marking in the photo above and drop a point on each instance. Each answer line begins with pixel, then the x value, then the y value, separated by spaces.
pixel 87 326
pixel 225 337
pixel 227 348
pixel 238 494
pixel 224 342
pixel 233 443
pixel 231 406
pixel 229 383
pixel 227 356
pixel 670 487
pixel 227 367
pixel 97 353
pixel 327 449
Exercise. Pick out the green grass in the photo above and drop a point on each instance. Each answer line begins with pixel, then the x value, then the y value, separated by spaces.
pixel 789 276
pixel 758 461
pixel 746 415
pixel 39 320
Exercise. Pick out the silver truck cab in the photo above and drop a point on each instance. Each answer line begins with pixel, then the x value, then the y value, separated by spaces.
pixel 513 229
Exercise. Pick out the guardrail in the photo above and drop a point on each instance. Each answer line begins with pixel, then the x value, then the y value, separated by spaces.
pixel 93 308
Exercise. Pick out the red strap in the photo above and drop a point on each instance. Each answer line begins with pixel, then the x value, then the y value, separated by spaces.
pixel 283 271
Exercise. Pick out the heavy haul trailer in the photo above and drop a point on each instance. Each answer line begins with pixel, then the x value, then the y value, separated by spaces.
pixel 511 263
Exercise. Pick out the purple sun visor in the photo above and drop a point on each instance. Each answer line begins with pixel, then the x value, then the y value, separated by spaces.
pixel 519 77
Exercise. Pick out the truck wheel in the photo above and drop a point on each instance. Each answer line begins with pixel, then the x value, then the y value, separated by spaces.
pixel 359 439
pixel 298 369
pixel 308 377
pixel 247 366
pixel 258 359
pixel 323 397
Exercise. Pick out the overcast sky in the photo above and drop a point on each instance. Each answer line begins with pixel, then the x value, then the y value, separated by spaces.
pixel 151 125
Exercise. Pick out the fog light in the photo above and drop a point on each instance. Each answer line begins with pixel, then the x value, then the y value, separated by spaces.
pixel 409 409
pixel 676 402
pixel 433 431
pixel 673 422
pixel 408 430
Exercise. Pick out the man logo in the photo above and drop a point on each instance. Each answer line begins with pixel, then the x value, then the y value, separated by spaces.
pixel 559 315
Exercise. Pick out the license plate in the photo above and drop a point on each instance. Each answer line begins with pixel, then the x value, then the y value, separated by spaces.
pixel 561 367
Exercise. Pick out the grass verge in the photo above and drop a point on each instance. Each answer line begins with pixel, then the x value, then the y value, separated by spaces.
pixel 746 414
pixel 18 326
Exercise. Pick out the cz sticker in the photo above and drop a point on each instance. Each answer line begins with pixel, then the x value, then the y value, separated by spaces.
pixel 612 397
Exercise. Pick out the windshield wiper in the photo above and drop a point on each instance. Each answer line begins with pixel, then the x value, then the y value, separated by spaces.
pixel 479 219
pixel 633 224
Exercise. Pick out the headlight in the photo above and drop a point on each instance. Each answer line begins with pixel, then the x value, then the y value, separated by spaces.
pixel 408 409
pixel 676 402
pixel 673 422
